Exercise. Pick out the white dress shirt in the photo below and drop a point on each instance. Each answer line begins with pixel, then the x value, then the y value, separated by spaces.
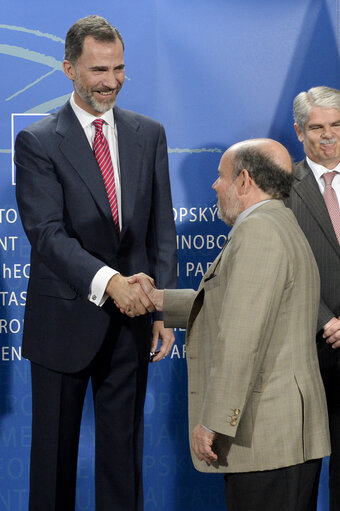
pixel 318 170
pixel 99 282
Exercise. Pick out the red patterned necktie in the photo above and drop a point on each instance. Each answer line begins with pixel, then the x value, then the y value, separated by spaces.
pixel 331 201
pixel 102 153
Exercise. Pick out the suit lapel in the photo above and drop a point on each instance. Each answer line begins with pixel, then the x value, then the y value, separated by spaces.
pixel 131 149
pixel 307 188
pixel 77 151
pixel 199 298
pixel 211 273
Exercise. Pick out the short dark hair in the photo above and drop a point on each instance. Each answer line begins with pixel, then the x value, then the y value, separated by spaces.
pixel 97 27
pixel 270 177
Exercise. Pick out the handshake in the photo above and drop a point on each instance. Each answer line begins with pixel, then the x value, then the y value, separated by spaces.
pixel 135 295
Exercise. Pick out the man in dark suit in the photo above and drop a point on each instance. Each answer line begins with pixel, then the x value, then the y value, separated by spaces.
pixel 317 124
pixel 94 197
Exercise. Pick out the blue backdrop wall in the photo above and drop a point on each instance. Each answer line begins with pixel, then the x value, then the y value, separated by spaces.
pixel 214 72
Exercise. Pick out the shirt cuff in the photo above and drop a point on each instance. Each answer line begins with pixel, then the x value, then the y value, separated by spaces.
pixel 97 294
pixel 208 429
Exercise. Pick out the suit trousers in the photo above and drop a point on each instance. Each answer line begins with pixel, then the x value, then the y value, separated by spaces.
pixel 118 375
pixel 329 360
pixel 292 488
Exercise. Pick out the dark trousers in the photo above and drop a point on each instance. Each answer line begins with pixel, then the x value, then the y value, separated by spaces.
pixel 292 488
pixel 329 360
pixel 118 376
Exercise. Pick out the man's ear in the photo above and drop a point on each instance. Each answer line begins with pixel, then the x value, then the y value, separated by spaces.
pixel 299 132
pixel 69 69
pixel 243 182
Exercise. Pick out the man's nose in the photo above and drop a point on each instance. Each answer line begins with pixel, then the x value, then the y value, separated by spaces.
pixel 110 80
pixel 327 132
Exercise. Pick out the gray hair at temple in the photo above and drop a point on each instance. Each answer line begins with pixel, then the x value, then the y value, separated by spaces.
pixel 322 96
pixel 97 27
pixel 270 176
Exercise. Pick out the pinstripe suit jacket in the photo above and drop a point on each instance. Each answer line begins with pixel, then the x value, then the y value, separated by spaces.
pixel 67 218
pixel 309 207
pixel 252 363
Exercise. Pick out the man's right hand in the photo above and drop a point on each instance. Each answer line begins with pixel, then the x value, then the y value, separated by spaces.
pixel 332 332
pixel 155 295
pixel 129 297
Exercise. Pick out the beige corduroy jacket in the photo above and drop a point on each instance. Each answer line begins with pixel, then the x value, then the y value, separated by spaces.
pixel 252 363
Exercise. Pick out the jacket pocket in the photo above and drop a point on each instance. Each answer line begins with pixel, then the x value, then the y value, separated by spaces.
pixel 55 288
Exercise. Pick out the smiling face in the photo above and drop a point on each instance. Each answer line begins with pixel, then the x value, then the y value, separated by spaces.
pixel 97 75
pixel 321 136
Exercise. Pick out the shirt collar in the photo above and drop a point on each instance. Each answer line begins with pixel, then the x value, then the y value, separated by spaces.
pixel 85 118
pixel 318 169
pixel 244 215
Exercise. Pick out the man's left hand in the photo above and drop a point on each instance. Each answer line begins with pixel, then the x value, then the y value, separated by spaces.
pixel 202 444
pixel 167 337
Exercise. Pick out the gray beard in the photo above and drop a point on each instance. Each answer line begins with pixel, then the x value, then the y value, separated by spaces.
pixel 228 217
pixel 100 107
pixel 222 216
pixel 90 100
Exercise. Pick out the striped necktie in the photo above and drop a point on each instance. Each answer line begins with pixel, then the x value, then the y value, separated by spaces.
pixel 102 153
pixel 331 201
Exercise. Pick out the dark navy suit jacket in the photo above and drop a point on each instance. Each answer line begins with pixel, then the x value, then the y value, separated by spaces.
pixel 310 209
pixel 66 216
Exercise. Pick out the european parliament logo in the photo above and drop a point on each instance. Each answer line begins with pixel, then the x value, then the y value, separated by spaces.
pixel 33 79
pixel 33 70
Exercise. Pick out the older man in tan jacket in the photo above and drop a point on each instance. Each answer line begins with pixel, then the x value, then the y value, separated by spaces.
pixel 257 409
